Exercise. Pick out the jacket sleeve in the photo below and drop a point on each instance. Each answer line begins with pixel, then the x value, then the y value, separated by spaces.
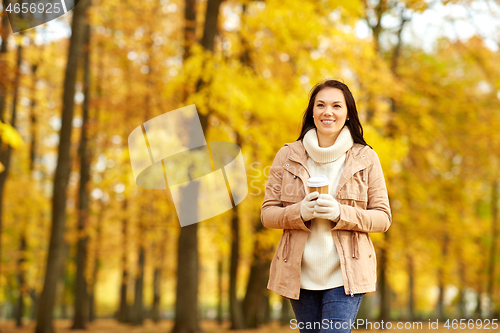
pixel 273 214
pixel 377 215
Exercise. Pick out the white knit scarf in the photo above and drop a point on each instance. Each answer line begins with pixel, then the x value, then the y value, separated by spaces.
pixel 328 154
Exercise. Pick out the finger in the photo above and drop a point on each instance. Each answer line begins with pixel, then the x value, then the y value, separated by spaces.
pixel 320 209
pixel 313 195
pixel 311 204
pixel 325 196
pixel 320 215
pixel 325 203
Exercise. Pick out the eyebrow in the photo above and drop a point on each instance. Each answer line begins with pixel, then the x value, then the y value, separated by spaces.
pixel 332 102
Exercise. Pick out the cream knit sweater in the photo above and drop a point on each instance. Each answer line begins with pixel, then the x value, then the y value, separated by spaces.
pixel 320 261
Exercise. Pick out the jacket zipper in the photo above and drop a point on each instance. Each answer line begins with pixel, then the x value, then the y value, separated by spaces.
pixel 348 280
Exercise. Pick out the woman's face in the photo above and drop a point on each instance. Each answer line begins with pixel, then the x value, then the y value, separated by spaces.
pixel 330 114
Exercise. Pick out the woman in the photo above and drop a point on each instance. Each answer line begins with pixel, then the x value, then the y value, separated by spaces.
pixel 325 261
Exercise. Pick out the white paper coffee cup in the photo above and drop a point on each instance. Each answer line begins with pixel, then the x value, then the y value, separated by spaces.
pixel 318 183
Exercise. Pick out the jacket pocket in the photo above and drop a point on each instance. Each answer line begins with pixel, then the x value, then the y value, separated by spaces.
pixel 364 264
pixel 285 250
pixel 355 191
pixel 280 269
pixel 280 243
pixel 353 199
pixel 292 189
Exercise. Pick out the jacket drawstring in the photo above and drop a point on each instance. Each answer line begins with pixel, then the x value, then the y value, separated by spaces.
pixel 284 253
pixel 354 244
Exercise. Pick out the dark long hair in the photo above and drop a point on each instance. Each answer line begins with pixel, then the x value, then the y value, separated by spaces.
pixel 352 113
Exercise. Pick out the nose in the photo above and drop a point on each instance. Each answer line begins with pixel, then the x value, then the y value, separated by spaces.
pixel 329 109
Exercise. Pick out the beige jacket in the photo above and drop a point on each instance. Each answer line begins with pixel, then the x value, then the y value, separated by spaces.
pixel 364 203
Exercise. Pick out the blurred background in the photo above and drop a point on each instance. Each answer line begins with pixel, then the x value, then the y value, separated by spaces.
pixel 83 247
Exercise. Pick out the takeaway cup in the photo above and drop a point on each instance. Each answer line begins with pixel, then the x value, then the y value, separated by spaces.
pixel 318 183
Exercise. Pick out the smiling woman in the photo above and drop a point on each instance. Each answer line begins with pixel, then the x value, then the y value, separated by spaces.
pixel 329 115
pixel 325 261
pixel 332 100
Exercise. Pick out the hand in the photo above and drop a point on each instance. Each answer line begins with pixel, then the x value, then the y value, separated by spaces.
pixel 327 207
pixel 307 206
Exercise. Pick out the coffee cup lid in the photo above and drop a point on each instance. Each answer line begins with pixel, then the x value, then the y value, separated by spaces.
pixel 318 181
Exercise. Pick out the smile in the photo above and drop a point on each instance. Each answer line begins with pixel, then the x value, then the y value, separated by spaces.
pixel 328 122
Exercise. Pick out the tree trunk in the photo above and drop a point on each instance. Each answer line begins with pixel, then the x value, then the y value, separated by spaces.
pixel 440 307
pixel 34 301
pixel 138 312
pixel 219 291
pixel 33 119
pixel 6 155
pixel 155 309
pixel 97 253
pixel 385 302
pixel 440 302
pixel 461 291
pixel 186 318
pixel 493 248
pixel 97 263
pixel 81 298
pixel 156 313
pixel 3 63
pixel 266 310
pixel 3 178
pixel 478 311
pixel 55 259
pixel 21 279
pixel 365 310
pixel 234 304
pixel 376 30
pixel 411 288
pixel 123 313
pixel 23 290
pixel 64 285
pixel 255 293
pixel 256 288
pixel 245 58
pixel 285 311
pixel 186 305
pixel 397 49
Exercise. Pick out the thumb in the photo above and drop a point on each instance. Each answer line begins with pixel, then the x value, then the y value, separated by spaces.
pixel 312 195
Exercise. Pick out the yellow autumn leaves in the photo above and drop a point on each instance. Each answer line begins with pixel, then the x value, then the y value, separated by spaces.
pixel 9 136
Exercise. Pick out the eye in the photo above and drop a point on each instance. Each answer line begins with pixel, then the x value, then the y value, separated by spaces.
pixel 337 106
pixel 320 104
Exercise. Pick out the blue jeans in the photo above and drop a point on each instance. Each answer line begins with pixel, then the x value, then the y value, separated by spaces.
pixel 329 310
